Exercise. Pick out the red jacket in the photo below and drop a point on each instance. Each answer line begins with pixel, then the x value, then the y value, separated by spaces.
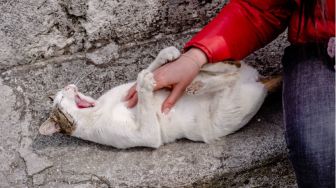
pixel 244 26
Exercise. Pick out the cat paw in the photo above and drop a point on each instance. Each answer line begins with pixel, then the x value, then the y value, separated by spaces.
pixel 169 54
pixel 145 81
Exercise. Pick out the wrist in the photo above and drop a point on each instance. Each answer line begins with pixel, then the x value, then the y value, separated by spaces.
pixel 198 55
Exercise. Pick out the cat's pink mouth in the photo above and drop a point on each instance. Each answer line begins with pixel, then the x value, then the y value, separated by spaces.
pixel 81 102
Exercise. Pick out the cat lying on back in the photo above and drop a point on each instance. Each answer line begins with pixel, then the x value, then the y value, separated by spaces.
pixel 220 100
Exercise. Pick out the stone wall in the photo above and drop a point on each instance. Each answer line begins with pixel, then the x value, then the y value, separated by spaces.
pixel 40 29
pixel 104 31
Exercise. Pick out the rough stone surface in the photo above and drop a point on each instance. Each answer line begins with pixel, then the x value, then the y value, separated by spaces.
pixel 47 44
pixel 70 161
pixel 40 29
pixel 12 167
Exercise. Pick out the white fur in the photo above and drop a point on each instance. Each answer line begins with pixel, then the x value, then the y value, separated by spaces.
pixel 228 99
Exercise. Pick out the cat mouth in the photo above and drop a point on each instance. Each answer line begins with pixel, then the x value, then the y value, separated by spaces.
pixel 81 102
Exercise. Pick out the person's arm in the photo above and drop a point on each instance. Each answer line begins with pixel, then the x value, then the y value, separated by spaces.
pixel 242 27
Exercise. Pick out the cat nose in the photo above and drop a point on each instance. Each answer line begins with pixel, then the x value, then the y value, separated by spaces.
pixel 72 87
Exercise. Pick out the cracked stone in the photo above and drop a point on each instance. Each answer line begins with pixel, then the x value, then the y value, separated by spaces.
pixel 11 167
pixel 176 164
pixel 76 7
pixel 66 185
pixel 35 164
pixel 38 179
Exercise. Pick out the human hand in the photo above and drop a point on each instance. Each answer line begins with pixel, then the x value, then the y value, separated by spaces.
pixel 176 75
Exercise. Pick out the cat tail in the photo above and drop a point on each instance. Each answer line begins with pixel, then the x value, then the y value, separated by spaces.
pixel 272 83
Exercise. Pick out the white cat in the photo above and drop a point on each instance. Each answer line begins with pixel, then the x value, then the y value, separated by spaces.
pixel 220 100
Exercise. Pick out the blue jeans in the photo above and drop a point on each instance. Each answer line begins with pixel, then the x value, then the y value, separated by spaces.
pixel 309 114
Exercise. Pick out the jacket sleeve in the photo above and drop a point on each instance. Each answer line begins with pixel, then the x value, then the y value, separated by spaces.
pixel 242 27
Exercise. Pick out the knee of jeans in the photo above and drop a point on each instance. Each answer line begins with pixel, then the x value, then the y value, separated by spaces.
pixel 308 143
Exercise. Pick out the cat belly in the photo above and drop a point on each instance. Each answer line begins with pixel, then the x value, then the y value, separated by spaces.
pixel 186 119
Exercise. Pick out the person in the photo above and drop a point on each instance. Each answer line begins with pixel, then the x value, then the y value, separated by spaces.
pixel 244 26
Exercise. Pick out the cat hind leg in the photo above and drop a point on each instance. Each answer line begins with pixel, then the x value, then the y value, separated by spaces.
pixel 149 132
pixel 145 82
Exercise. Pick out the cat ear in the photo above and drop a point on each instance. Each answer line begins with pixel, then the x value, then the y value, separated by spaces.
pixel 49 127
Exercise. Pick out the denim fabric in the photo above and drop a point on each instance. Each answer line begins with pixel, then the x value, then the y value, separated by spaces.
pixel 309 114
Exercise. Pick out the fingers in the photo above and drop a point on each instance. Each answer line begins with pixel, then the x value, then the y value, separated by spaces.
pixel 161 81
pixel 132 101
pixel 131 97
pixel 131 93
pixel 175 95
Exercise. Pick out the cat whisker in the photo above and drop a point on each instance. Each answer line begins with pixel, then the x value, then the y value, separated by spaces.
pixel 82 76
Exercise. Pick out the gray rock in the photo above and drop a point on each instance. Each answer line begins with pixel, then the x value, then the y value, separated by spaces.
pixel 34 163
pixel 42 29
pixel 34 30
pixel 12 168
pixel 184 163
pixel 38 179
pixel 104 54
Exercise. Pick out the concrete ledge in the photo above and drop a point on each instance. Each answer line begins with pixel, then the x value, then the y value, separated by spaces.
pixel 254 156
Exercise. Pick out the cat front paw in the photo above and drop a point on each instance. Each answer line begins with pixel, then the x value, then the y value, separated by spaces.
pixel 145 81
pixel 169 54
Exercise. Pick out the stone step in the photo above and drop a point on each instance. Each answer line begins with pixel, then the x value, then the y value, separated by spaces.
pixel 252 157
